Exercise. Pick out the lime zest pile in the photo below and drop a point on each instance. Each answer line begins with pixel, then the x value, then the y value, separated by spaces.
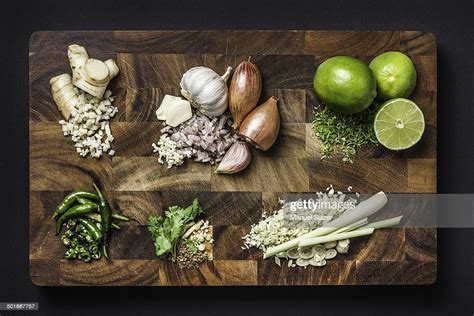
pixel 343 133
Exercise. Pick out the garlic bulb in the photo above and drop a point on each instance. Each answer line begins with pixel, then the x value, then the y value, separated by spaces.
pixel 206 90
pixel 236 159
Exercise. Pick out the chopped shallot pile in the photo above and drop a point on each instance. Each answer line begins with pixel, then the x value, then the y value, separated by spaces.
pixel 202 138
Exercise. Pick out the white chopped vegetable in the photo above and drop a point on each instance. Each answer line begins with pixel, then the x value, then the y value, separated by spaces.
pixel 330 244
pixel 302 262
pixel 88 125
pixel 342 249
pixel 167 151
pixel 362 210
pixel 330 253
pixel 278 261
pixel 305 253
pixel 319 250
pixel 202 138
pixel 274 230
pixel 343 243
pixel 178 113
pixel 293 253
pixel 316 262
pixel 167 102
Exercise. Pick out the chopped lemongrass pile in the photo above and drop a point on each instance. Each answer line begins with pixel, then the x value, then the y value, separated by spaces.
pixel 314 246
pixel 343 133
pixel 274 230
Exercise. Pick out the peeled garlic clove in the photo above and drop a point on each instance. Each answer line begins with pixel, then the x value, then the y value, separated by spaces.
pixel 262 125
pixel 206 90
pixel 236 159
pixel 330 253
pixel 244 91
pixel 165 105
pixel 178 113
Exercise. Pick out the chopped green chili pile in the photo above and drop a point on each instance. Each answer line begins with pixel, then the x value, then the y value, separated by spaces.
pixel 344 133
pixel 88 220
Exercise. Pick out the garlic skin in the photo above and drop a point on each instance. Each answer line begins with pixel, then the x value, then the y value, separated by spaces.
pixel 261 126
pixel 206 90
pixel 236 159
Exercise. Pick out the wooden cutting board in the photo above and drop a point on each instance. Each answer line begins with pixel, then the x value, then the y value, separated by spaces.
pixel 151 65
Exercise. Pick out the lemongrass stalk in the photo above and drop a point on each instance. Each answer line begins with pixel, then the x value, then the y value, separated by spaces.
pixel 362 210
pixel 383 223
pixel 352 226
pixel 334 237
pixel 321 231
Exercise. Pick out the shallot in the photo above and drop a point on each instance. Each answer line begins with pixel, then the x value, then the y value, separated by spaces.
pixel 244 92
pixel 262 125
pixel 202 138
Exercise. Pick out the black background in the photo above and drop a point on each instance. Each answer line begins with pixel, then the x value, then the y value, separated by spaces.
pixel 450 21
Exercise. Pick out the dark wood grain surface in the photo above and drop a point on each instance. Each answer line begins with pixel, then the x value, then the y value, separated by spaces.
pixel 151 65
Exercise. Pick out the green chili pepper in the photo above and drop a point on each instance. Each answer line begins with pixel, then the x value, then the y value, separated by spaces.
pixel 80 249
pixel 81 200
pixel 93 216
pixel 69 233
pixel 120 217
pixel 115 226
pixel 73 244
pixel 71 223
pixel 78 229
pixel 66 241
pixel 70 254
pixel 96 255
pixel 69 200
pixel 85 256
pixel 93 248
pixel 105 250
pixel 92 229
pixel 106 220
pixel 74 212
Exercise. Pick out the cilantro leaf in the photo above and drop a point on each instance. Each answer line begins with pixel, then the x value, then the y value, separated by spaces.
pixel 166 231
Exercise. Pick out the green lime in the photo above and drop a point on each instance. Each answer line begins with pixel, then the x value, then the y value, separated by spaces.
pixel 345 84
pixel 399 124
pixel 395 75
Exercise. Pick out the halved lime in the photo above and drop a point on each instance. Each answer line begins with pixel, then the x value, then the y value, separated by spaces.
pixel 399 124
